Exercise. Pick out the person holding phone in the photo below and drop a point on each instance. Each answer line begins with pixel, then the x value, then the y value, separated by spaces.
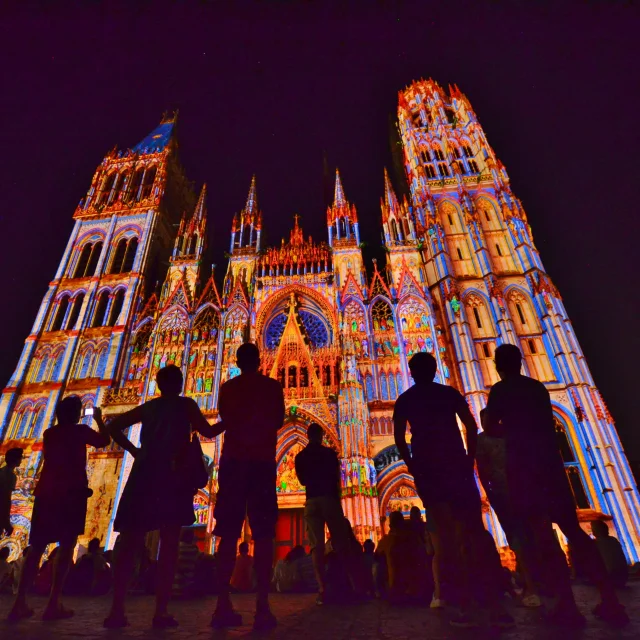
pixel 60 505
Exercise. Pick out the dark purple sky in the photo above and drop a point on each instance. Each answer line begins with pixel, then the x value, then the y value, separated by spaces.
pixel 266 87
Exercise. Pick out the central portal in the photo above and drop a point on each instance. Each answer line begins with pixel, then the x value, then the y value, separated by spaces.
pixel 290 531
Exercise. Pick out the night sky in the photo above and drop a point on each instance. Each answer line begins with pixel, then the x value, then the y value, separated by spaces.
pixel 269 87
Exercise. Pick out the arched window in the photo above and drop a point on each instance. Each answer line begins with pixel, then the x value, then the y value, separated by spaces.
pixel 130 255
pixel 124 255
pixel 147 184
pixel 118 257
pixel 85 370
pixel 25 420
pixel 479 318
pixel 326 375
pixel 37 422
pixel 132 193
pixel 83 261
pixel 42 367
pixel 522 315
pixel 292 377
pixel 304 377
pixel 101 363
pixel 393 392
pixel 57 365
pixel 384 387
pixel 369 387
pixel 399 383
pixel 61 312
pixel 571 465
pixel 101 308
pixel 564 446
pixel 96 250
pixel 116 308
pixel 107 185
pixel 75 311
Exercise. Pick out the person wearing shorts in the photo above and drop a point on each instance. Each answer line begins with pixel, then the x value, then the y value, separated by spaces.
pixel 251 407
pixel 318 470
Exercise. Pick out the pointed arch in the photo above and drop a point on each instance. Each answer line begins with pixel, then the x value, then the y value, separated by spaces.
pixel 478 315
pixel 83 260
pixel 60 312
pixel 78 301
pixel 116 307
pixel 100 309
pixel 148 180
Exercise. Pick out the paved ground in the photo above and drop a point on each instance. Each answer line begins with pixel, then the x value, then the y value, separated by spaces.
pixel 300 619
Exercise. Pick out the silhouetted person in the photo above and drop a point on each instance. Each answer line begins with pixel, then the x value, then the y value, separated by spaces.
pixel 8 478
pixel 611 552
pixel 402 549
pixel 444 478
pixel 242 576
pixel 156 497
pixel 60 505
pixel 251 407
pixel 91 575
pixel 318 470
pixel 519 409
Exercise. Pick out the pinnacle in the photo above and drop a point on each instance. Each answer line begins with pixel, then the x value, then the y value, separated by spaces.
pixel 339 199
pixel 251 207
pixel 389 194
pixel 201 207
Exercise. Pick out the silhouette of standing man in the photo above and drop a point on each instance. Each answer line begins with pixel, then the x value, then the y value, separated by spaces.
pixel 519 410
pixel 444 479
pixel 318 470
pixel 252 410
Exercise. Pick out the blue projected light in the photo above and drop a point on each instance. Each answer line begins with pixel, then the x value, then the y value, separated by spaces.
pixel 313 327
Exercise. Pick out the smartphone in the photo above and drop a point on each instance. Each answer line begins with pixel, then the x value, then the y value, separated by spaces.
pixel 88 411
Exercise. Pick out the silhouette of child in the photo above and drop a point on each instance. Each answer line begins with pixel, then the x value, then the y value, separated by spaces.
pixel 612 554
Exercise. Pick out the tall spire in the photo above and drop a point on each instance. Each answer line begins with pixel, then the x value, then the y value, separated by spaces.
pixel 342 218
pixel 246 226
pixel 338 193
pixel 390 199
pixel 251 207
pixel 200 211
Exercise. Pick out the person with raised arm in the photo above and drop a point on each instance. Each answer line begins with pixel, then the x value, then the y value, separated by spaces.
pixel 158 495
pixel 60 505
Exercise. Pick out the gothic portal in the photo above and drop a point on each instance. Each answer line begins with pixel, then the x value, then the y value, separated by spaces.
pixel 462 275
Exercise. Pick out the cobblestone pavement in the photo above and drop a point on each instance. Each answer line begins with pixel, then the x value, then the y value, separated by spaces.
pixel 300 619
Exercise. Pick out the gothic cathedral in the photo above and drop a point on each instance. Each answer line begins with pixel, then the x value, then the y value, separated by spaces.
pixel 462 275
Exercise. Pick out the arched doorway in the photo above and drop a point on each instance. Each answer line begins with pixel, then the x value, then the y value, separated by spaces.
pixel 290 528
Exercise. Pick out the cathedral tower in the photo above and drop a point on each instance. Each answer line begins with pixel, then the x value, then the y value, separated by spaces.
pixel 489 287
pixel 122 229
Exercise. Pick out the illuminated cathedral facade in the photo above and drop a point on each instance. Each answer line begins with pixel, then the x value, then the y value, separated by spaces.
pixel 461 276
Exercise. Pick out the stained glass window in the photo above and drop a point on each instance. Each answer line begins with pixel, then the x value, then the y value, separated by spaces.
pixel 316 329
pixel 393 393
pixel 275 330
pixel 383 387
pixel 382 316
pixel 355 325
pixel 416 329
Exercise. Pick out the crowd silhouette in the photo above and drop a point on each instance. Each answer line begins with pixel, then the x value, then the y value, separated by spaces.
pixel 450 561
